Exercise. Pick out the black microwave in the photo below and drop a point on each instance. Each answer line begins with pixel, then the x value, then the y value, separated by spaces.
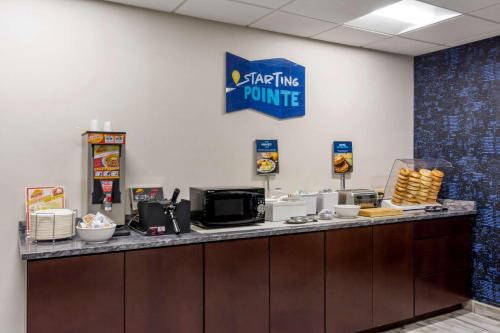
pixel 227 206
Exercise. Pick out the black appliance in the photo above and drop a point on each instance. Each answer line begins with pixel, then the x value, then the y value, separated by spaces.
pixel 160 217
pixel 227 206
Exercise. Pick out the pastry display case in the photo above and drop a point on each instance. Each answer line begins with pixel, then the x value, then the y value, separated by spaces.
pixel 415 183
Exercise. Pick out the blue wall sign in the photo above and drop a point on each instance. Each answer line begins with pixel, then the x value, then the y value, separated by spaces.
pixel 267 157
pixel 342 157
pixel 272 86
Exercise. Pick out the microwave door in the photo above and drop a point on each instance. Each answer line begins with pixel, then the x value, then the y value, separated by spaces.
pixel 229 207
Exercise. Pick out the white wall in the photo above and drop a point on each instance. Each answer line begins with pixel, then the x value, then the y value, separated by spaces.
pixel 160 77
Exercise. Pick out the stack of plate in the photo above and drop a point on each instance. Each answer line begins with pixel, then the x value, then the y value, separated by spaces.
pixel 52 224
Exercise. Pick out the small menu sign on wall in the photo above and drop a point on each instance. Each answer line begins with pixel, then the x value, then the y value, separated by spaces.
pixel 342 157
pixel 267 158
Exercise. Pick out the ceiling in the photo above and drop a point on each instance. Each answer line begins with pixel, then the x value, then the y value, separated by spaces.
pixel 328 20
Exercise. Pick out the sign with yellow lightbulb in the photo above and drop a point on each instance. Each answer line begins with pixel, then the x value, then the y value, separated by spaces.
pixel 275 86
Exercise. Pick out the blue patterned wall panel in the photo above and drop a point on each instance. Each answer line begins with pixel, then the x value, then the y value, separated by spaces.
pixel 457 95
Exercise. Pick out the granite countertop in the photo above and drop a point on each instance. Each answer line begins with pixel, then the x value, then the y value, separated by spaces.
pixel 74 247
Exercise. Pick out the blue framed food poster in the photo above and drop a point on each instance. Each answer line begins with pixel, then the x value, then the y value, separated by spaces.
pixel 267 157
pixel 342 157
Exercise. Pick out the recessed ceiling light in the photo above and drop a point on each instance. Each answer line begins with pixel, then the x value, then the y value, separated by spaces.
pixel 402 16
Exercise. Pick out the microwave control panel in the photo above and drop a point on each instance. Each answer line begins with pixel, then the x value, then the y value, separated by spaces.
pixel 261 207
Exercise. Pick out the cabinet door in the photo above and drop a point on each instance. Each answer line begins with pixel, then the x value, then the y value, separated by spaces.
pixel 349 280
pixel 297 283
pixel 392 273
pixel 442 263
pixel 237 286
pixel 164 290
pixel 439 291
pixel 77 294
pixel 442 254
pixel 442 227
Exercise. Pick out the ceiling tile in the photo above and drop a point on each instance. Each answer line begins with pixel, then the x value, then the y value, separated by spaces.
pixel 400 45
pixel 292 24
pixel 265 3
pixel 476 38
pixel 453 30
pixel 338 11
pixel 463 6
pixel 432 49
pixel 490 13
pixel 223 11
pixel 350 36
pixel 462 42
pixel 162 5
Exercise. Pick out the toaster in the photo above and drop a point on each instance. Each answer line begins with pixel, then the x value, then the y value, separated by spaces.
pixel 364 198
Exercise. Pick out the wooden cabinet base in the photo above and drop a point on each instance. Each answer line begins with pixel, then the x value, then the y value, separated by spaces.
pixel 297 283
pixel 440 291
pixel 349 280
pixel 392 273
pixel 442 263
pixel 237 286
pixel 339 281
pixel 442 254
pixel 78 294
pixel 164 290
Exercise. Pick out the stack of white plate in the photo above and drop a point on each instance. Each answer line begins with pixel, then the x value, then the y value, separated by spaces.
pixel 52 224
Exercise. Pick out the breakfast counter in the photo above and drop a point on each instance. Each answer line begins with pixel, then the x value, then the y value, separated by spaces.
pixel 287 278
pixel 75 247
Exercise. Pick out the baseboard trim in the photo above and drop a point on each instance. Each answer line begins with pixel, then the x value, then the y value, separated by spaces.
pixel 413 319
pixel 483 309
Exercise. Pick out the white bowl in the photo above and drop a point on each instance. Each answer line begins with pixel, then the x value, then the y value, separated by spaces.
pixel 347 210
pixel 96 235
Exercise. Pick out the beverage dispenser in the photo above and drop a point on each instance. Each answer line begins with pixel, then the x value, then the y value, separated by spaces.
pixel 104 174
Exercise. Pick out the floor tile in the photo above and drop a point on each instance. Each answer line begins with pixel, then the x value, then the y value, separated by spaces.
pixel 454 325
pixel 485 323
pixel 461 321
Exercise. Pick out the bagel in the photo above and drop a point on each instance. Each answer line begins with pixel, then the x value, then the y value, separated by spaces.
pixel 404 172
pixel 425 172
pixel 437 173
pixel 415 174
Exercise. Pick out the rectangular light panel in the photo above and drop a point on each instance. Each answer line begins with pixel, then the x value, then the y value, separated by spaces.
pixel 401 17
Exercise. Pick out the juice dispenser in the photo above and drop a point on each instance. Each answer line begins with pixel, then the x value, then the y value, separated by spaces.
pixel 104 174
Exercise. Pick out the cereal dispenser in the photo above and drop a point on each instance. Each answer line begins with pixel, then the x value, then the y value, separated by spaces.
pixel 104 174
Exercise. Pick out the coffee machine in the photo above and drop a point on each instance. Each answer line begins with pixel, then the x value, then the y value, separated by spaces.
pixel 103 185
